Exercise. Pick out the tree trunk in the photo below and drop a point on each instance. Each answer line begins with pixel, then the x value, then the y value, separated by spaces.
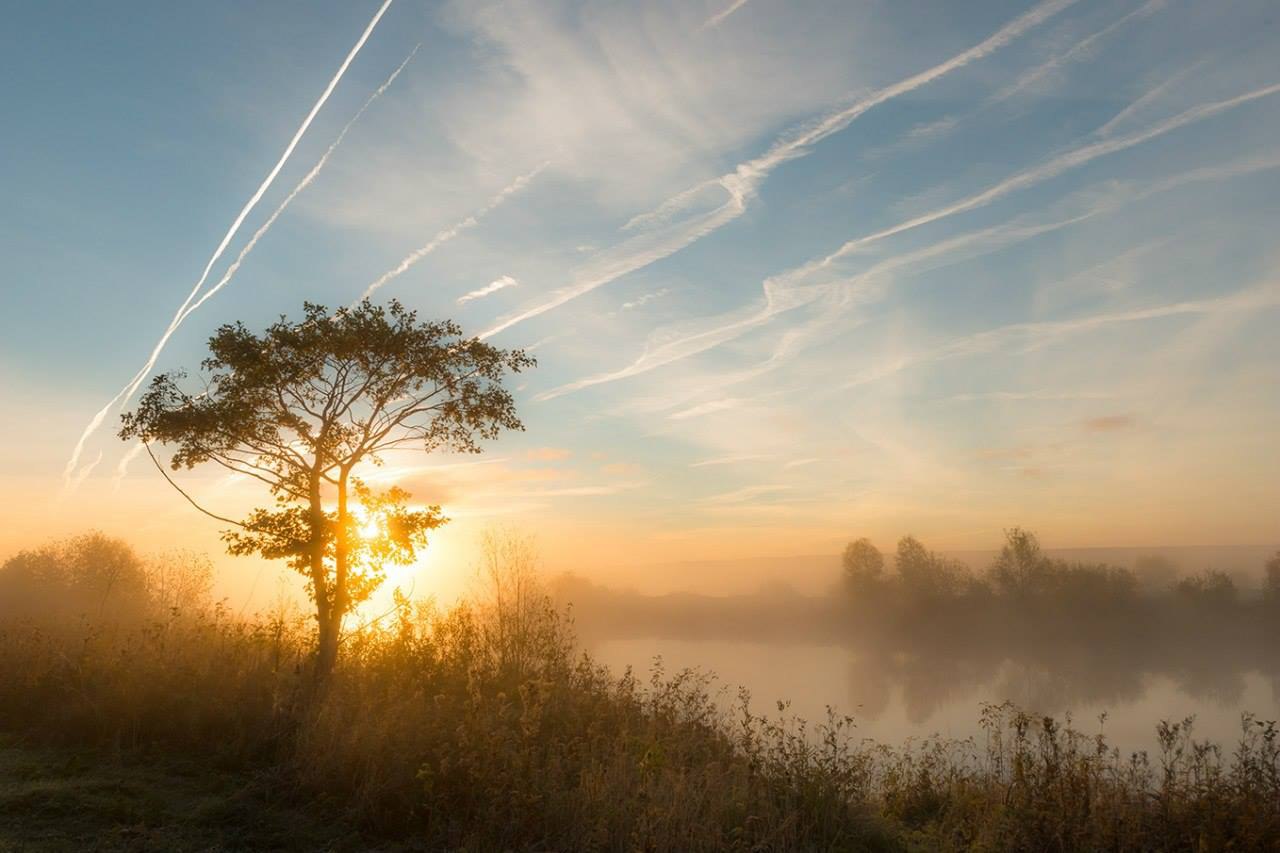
pixel 327 647
pixel 327 641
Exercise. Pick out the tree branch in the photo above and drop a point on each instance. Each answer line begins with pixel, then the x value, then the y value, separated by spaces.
pixel 190 499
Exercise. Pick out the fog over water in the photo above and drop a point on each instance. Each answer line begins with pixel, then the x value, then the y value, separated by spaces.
pixel 1137 635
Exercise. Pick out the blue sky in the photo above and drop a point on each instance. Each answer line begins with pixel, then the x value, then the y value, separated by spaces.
pixel 794 271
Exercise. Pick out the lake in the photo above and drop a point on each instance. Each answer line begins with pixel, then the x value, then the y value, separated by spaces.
pixel 900 697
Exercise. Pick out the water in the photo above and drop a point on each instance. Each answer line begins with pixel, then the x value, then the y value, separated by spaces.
pixel 900 697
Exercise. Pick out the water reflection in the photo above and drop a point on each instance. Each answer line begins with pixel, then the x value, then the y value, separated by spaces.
pixel 919 649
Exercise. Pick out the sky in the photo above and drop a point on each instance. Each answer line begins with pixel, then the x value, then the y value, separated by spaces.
pixel 794 272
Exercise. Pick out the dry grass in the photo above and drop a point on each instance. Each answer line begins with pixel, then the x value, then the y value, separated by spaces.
pixel 480 727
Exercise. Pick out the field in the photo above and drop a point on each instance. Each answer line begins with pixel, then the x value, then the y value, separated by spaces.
pixel 166 722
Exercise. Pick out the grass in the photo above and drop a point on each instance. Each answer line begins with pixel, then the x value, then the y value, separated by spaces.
pixel 483 727
pixel 63 799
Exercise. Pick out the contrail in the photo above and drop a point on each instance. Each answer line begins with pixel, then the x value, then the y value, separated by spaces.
pixel 1079 50
pixel 84 472
pixel 1055 167
pixel 753 171
pixel 122 468
pixel 302 185
pixel 253 241
pixel 1145 100
pixel 741 184
pixel 127 392
pixel 718 18
pixel 492 287
pixel 672 345
pixel 448 234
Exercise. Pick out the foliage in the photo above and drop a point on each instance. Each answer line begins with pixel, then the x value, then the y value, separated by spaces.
pixel 481 727
pixel 95 577
pixel 302 405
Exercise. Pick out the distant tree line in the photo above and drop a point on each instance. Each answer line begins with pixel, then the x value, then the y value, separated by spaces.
pixel 96 578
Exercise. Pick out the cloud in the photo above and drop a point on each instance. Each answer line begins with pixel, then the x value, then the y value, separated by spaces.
pixel 719 17
pixel 122 468
pixel 1145 100
pixel 449 233
pixel 707 408
pixel 669 235
pixel 645 298
pixel 1055 167
pixel 492 287
pixel 749 174
pixel 748 493
pixel 1109 423
pixel 1078 52
pixel 786 292
pixel 126 393
pixel 1037 335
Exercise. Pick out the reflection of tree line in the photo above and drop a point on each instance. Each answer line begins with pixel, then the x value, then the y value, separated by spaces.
pixel 1044 632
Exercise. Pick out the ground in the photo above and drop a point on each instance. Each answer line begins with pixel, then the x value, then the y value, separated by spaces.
pixel 55 799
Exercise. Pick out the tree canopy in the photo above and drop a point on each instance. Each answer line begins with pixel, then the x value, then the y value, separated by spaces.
pixel 300 406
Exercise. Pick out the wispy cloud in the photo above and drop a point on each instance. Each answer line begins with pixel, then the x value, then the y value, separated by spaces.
pixel 835 293
pixel 741 184
pixel 449 233
pixel 645 298
pixel 748 175
pixel 1036 335
pixel 707 408
pixel 492 287
pixel 122 467
pixel 1079 51
pixel 748 493
pixel 1055 167
pixel 126 393
pixel 783 293
pixel 1146 99
pixel 719 17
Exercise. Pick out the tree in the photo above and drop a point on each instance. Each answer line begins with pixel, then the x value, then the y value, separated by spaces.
pixel 1271 579
pixel 91 575
pixel 863 565
pixel 925 573
pixel 1021 565
pixel 305 403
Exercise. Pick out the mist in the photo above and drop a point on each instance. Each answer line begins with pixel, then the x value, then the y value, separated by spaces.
pixel 913 641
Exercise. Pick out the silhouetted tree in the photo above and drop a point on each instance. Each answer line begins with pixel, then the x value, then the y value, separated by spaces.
pixel 925 573
pixel 91 575
pixel 1020 565
pixel 1271 579
pixel 862 564
pixel 300 406
pixel 1211 587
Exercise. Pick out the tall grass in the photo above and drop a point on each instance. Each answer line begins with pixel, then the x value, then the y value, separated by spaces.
pixel 482 727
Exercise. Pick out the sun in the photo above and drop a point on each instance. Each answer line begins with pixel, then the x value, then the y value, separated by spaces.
pixel 370 526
